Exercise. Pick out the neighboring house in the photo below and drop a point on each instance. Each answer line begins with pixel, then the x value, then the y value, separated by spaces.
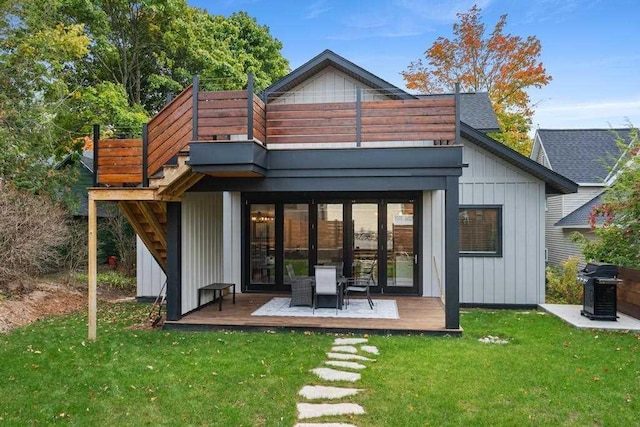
pixel 586 156
pixel 332 164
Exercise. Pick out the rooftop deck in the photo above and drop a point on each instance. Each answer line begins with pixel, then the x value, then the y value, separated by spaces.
pixel 418 315
pixel 241 115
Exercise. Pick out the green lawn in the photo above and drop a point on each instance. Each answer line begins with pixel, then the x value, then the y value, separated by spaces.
pixel 548 374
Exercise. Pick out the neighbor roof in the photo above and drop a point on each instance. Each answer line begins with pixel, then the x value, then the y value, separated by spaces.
pixel 584 155
pixel 555 182
pixel 475 110
pixel 580 217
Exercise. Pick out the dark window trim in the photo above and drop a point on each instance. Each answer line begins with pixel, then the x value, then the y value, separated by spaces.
pixel 478 254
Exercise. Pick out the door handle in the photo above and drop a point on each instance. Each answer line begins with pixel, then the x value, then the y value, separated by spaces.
pixel 415 259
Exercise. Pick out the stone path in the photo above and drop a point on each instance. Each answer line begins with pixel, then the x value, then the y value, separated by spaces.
pixel 320 399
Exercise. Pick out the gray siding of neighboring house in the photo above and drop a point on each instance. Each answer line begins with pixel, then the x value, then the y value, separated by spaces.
pixel 516 277
pixel 571 202
pixel 559 244
pixel 542 159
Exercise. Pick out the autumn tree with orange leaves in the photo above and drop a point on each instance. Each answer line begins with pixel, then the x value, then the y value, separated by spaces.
pixel 503 65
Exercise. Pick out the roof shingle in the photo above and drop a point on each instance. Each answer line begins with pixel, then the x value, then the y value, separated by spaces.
pixel 583 155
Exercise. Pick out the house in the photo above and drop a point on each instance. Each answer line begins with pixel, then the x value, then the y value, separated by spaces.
pixel 332 164
pixel 587 157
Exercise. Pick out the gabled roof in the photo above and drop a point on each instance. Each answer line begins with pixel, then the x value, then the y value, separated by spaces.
pixel 555 182
pixel 475 110
pixel 580 217
pixel 584 155
pixel 330 58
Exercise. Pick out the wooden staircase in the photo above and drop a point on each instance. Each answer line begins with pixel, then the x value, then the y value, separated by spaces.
pixel 149 218
pixel 149 221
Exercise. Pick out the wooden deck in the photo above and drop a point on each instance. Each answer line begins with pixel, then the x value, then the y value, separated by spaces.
pixel 417 316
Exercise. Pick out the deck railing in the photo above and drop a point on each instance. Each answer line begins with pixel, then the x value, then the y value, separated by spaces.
pixel 237 115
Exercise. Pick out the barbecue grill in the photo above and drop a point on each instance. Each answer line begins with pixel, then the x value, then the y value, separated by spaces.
pixel 599 299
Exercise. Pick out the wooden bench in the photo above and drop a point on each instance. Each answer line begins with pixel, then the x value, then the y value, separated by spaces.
pixel 217 289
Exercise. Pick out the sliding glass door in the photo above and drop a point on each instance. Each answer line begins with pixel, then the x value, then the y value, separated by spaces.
pixel 353 234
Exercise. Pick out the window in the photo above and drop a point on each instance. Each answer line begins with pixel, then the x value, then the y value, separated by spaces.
pixel 480 230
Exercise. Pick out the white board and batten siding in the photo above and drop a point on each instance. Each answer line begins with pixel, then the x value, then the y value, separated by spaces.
pixel 329 85
pixel 210 243
pixel 210 248
pixel 149 276
pixel 516 277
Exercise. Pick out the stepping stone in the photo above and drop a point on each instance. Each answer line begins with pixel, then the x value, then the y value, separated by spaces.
pixel 315 410
pixel 323 425
pixel 344 349
pixel 312 392
pixel 329 374
pixel 349 341
pixel 344 364
pixel 370 349
pixel 345 356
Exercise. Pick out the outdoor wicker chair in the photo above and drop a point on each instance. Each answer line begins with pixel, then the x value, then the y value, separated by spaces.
pixel 301 289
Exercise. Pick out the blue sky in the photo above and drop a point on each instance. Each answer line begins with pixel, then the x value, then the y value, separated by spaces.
pixel 591 48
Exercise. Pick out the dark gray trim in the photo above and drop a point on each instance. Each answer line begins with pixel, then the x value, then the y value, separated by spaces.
pixel 452 261
pixel 174 260
pixel 197 327
pixel 358 116
pixel 329 58
pixel 96 139
pixel 221 157
pixel 194 112
pixel 494 306
pixel 499 252
pixel 371 169
pixel 145 152
pixel 250 107
pixel 555 183
pixel 320 184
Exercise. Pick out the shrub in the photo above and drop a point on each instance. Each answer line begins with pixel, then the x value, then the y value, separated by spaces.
pixel 562 283
pixel 111 278
pixel 32 230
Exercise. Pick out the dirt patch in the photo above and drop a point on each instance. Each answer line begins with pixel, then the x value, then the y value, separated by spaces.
pixel 45 299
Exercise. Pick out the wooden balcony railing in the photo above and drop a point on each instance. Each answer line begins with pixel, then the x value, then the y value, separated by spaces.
pixel 118 162
pixel 240 115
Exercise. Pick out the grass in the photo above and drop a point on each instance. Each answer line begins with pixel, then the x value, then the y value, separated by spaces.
pixel 548 374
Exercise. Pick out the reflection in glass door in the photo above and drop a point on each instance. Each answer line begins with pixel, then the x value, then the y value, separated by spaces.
pixel 263 243
pixel 365 238
pixel 330 234
pixel 296 239
pixel 400 241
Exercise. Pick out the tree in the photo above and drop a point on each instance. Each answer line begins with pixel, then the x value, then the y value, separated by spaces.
pixel 616 222
pixel 153 47
pixel 504 65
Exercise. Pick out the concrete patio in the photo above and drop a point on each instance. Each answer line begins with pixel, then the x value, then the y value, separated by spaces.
pixel 571 314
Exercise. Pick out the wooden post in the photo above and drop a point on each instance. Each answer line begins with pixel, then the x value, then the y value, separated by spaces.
pixel 92 269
